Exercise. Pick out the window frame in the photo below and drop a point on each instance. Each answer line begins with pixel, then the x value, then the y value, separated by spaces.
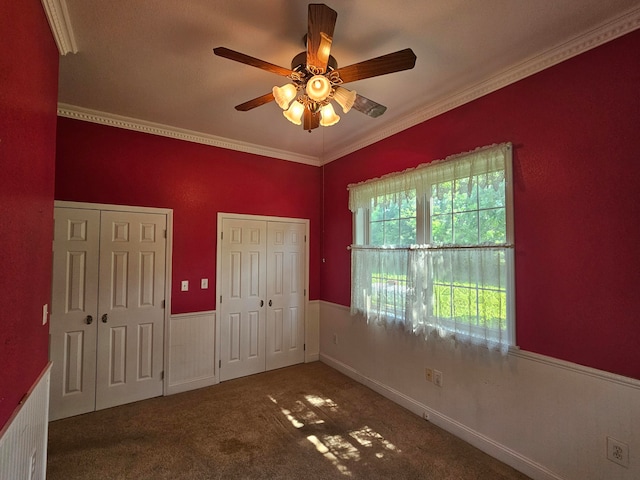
pixel 361 220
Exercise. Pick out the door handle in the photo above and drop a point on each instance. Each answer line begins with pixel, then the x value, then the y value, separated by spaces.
pixel 262 303
pixel 89 319
pixel 105 318
pixel 270 303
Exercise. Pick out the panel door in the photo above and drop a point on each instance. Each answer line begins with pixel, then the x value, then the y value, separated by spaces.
pixel 131 313
pixel 242 284
pixel 285 294
pixel 74 311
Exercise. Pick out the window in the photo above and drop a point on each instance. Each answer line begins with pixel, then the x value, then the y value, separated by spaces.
pixel 433 248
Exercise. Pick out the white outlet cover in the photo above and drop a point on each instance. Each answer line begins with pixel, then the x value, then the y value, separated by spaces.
pixel 185 285
pixel 618 452
pixel 204 283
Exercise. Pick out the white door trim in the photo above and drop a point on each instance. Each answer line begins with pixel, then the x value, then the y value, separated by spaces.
pixel 242 216
pixel 168 260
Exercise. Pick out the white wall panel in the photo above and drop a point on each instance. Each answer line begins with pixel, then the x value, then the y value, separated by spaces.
pixel 23 440
pixel 545 417
pixel 191 352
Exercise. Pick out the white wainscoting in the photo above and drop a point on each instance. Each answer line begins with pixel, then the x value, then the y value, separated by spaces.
pixel 191 358
pixel 312 332
pixel 23 440
pixel 545 417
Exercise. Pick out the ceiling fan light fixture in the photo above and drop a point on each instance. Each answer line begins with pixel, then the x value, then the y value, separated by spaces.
pixel 294 114
pixel 328 116
pixel 318 88
pixel 345 98
pixel 284 94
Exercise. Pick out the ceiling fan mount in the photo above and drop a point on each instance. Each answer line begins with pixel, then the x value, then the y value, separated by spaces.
pixel 316 80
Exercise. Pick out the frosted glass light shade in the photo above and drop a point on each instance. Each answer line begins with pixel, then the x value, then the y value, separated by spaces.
pixel 345 98
pixel 284 95
pixel 294 114
pixel 328 116
pixel 318 88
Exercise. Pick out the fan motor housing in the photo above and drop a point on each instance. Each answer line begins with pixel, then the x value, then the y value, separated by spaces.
pixel 300 60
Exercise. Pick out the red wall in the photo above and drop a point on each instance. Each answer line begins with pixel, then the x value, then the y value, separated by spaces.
pixel 28 102
pixel 575 129
pixel 102 164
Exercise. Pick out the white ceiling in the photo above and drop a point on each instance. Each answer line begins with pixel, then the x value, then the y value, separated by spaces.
pixel 149 65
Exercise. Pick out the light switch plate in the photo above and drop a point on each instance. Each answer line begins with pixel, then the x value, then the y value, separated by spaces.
pixel 204 283
pixel 185 285
pixel 45 313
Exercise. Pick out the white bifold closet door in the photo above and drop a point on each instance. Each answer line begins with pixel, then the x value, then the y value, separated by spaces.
pixel 262 295
pixel 107 312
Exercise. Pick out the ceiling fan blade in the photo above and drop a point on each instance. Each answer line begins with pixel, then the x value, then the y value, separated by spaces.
pixel 254 62
pixel 368 107
pixel 310 120
pixel 256 102
pixel 390 63
pixel 322 21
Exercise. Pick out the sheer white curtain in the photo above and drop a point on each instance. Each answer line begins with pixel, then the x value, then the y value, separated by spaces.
pixel 455 291
pixel 379 284
pixel 460 293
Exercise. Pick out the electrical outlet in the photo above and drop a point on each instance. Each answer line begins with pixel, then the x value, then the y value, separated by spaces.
pixel 428 374
pixel 437 377
pixel 185 286
pixel 618 452
pixel 204 283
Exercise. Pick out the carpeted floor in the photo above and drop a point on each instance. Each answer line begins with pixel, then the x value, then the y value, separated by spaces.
pixel 303 422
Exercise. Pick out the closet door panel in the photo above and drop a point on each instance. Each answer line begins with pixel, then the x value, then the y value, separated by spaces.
pixel 74 309
pixel 130 327
pixel 243 292
pixel 285 291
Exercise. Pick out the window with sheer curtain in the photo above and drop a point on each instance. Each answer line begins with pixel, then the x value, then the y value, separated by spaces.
pixel 433 248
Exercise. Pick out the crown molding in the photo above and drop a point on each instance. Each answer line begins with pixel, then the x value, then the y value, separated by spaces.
pixel 606 32
pixel 112 120
pixel 60 24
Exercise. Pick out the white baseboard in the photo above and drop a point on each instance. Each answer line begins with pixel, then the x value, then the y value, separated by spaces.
pixel 482 442
pixel 314 357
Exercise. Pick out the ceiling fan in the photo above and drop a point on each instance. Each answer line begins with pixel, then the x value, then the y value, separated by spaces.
pixel 316 79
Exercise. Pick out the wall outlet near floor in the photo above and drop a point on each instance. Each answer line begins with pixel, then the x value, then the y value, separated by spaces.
pixel 437 377
pixel 618 452
pixel 428 374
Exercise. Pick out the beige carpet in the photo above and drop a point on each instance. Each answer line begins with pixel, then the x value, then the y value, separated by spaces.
pixel 303 422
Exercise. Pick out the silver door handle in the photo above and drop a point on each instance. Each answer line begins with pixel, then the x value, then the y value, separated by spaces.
pixel 105 318
pixel 89 319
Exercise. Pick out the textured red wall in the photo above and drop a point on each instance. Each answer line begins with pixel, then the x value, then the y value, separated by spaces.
pixel 28 102
pixel 101 164
pixel 577 179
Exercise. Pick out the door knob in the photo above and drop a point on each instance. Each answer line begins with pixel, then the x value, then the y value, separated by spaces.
pixel 270 303
pixel 262 303
pixel 89 319
pixel 104 318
